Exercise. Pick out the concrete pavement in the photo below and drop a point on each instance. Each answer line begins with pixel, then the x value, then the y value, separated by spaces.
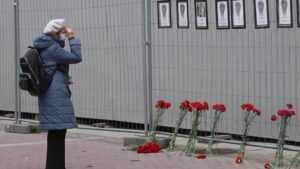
pixel 103 150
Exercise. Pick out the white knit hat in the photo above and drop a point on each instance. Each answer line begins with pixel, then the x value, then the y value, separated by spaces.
pixel 55 25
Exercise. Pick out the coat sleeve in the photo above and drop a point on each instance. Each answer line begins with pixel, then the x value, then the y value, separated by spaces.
pixel 60 55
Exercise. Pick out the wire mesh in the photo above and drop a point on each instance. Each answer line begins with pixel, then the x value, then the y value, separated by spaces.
pixel 231 66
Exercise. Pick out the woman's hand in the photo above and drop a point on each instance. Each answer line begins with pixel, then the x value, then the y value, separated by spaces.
pixel 70 32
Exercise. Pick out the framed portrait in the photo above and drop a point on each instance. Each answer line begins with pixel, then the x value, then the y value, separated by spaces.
pixel 261 11
pixel 298 13
pixel 201 17
pixel 164 14
pixel 182 14
pixel 238 18
pixel 222 14
pixel 284 13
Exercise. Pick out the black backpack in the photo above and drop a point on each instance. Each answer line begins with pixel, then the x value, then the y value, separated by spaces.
pixel 33 78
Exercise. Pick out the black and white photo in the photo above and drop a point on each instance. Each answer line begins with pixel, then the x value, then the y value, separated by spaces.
pixel 284 13
pixel 164 14
pixel 182 14
pixel 261 13
pixel 238 13
pixel 222 14
pixel 201 14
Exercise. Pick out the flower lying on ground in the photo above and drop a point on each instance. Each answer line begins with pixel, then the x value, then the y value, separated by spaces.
pixel 150 147
pixel 268 166
pixel 239 159
pixel 201 156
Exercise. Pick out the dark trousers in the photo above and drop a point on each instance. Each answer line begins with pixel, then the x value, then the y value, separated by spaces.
pixel 56 149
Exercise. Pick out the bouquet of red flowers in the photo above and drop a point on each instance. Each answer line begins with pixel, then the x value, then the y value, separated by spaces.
pixel 285 117
pixel 219 109
pixel 150 147
pixel 184 107
pixel 250 112
pixel 199 109
pixel 161 107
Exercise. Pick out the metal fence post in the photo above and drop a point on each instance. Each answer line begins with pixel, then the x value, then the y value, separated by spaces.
pixel 17 61
pixel 148 43
pixel 145 86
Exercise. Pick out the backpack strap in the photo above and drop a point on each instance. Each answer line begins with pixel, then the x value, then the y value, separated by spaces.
pixel 60 67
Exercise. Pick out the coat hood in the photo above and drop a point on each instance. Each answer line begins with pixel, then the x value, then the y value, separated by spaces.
pixel 45 41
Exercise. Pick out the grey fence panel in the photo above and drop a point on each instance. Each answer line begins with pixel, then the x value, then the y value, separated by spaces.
pixel 231 66
pixel 7 97
pixel 108 83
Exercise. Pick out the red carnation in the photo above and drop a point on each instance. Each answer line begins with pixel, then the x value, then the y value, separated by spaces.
pixel 273 117
pixel 281 112
pixel 167 105
pixel 247 106
pixel 201 156
pixel 205 105
pixel 257 111
pixel 289 105
pixel 243 106
pixel 160 104
pixel 141 149
pixel 250 107
pixel 293 112
pixel 219 107
pixel 222 108
pixel 215 107
pixel 267 166
pixel 197 105
pixel 290 113
pixel 190 109
pixel 153 147
pixel 184 105
pixel 239 159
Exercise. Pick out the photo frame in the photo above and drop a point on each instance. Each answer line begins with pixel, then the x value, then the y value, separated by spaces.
pixel 201 14
pixel 164 14
pixel 261 12
pixel 298 12
pixel 222 14
pixel 284 13
pixel 182 14
pixel 238 18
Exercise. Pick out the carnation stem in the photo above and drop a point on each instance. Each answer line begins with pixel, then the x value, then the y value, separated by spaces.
pixel 178 124
pixel 247 123
pixel 211 141
pixel 157 119
pixel 295 161
pixel 190 147
pixel 281 142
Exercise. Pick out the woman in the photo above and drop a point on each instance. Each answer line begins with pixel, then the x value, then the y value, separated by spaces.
pixel 55 106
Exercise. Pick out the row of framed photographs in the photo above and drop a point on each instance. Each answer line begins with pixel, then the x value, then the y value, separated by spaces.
pixel 261 11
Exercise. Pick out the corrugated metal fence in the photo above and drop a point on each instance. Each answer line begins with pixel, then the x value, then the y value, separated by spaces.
pixel 221 66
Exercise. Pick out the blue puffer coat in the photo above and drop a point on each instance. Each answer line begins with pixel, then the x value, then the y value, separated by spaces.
pixel 55 105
